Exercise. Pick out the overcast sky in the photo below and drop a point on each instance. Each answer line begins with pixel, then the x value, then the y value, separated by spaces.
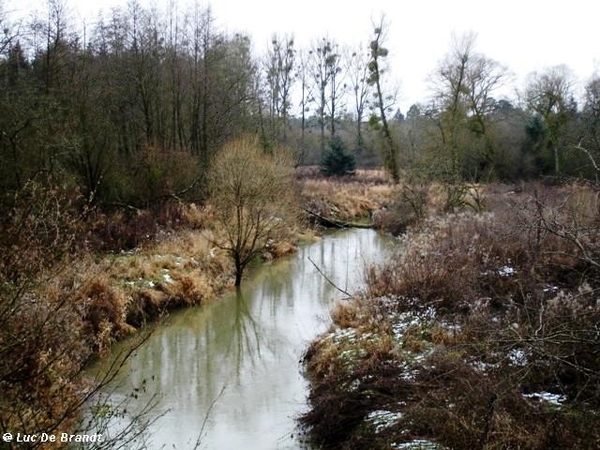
pixel 524 35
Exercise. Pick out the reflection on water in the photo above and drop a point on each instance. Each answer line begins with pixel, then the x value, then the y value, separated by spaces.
pixel 250 343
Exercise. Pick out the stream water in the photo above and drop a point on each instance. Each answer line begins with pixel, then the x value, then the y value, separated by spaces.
pixel 241 354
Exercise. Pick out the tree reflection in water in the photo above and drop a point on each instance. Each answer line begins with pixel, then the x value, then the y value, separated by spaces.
pixel 245 336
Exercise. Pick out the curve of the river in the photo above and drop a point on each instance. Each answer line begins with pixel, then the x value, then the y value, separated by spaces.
pixel 250 344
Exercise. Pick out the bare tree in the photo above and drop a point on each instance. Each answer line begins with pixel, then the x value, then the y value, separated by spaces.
pixel 382 101
pixel 251 192
pixel 322 61
pixel 358 76
pixel 451 87
pixel 279 75
pixel 306 98
pixel 463 85
pixel 484 77
pixel 337 87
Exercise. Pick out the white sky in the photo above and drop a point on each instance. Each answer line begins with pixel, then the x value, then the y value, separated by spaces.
pixel 524 35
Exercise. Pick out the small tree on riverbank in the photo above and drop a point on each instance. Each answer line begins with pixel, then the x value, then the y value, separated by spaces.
pixel 251 192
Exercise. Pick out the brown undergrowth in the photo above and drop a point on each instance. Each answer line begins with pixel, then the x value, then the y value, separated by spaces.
pixel 481 333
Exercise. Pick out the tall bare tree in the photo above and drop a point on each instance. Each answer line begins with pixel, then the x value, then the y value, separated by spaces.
pixel 464 83
pixel 358 76
pixel 323 59
pixel 306 98
pixel 337 87
pixel 451 90
pixel 382 102
pixel 279 75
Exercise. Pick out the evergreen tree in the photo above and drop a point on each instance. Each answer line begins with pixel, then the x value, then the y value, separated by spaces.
pixel 337 160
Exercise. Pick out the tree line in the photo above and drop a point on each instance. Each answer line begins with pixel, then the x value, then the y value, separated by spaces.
pixel 132 110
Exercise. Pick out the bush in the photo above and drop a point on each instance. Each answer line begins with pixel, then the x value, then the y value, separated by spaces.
pixel 408 208
pixel 252 193
pixel 336 159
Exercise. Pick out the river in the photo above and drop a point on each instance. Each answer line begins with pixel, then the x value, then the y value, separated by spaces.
pixel 241 354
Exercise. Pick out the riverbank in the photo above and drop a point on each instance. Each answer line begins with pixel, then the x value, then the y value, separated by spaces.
pixel 78 279
pixel 75 283
pixel 184 267
pixel 480 333
pixel 177 269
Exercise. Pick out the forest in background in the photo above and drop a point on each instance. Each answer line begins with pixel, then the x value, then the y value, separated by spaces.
pixel 131 110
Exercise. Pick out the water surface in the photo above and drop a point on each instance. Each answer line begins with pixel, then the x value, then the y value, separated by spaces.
pixel 249 344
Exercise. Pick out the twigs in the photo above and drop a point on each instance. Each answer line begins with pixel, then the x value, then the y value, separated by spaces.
pixel 206 416
pixel 329 279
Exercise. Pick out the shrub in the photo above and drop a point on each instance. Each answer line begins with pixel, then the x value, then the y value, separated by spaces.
pixel 252 193
pixel 408 208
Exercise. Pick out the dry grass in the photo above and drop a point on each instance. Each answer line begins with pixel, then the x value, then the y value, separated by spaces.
pixel 346 198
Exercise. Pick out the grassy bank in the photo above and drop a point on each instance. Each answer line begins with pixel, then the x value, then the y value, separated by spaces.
pixel 345 198
pixel 481 333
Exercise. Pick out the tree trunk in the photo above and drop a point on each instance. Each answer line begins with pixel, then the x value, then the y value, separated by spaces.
pixel 239 270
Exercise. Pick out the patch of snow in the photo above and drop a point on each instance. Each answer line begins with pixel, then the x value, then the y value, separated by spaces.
pixel 429 313
pixel 555 399
pixel 354 385
pixel 383 419
pixel 409 375
pixel 483 367
pixel 517 357
pixel 341 334
pixel 454 327
pixel 417 444
pixel 506 271
pixel 167 278
pixel 408 319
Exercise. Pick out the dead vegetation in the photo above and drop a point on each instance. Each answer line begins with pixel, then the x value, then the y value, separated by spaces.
pixel 345 198
pixel 481 333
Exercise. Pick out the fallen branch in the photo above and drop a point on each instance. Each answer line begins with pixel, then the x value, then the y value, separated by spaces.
pixel 334 223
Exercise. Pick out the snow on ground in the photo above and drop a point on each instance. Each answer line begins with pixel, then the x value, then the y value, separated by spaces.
pixel 555 399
